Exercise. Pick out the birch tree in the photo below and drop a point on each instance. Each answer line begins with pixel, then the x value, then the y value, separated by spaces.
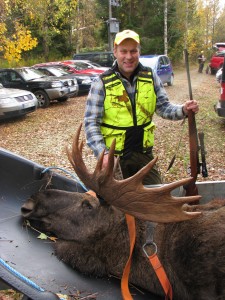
pixel 165 27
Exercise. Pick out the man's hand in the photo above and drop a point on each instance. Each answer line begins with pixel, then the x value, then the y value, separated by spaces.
pixel 190 105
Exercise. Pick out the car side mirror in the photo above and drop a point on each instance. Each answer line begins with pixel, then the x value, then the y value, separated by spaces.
pixel 163 66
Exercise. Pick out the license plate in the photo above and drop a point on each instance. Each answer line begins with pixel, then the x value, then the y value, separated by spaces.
pixel 72 89
pixel 27 104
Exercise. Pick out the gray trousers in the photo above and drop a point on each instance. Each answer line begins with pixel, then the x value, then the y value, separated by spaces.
pixel 135 162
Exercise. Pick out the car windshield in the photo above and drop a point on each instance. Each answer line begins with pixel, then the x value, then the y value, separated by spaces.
pixel 149 61
pixel 65 68
pixel 220 53
pixel 79 65
pixel 57 71
pixel 30 74
pixel 64 71
pixel 95 64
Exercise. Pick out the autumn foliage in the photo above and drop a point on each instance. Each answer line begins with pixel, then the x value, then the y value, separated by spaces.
pixel 13 46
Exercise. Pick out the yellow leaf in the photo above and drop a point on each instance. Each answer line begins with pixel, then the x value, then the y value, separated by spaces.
pixel 42 236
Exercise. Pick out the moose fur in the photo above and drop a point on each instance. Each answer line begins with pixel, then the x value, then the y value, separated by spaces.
pixel 93 238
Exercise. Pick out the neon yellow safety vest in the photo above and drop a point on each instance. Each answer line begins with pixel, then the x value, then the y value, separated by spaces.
pixel 130 124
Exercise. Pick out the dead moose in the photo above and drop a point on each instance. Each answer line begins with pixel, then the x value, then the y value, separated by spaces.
pixel 93 236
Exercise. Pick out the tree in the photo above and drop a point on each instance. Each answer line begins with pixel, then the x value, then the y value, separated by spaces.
pixel 20 41
pixel 15 38
pixel 219 28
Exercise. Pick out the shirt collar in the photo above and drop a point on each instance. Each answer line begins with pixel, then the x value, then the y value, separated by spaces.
pixel 133 76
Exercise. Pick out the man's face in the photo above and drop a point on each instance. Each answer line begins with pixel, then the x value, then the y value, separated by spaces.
pixel 127 54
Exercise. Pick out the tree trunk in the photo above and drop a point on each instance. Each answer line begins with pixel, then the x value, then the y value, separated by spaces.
pixel 165 27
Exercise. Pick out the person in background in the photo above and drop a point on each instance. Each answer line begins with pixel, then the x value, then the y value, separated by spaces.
pixel 201 62
pixel 121 105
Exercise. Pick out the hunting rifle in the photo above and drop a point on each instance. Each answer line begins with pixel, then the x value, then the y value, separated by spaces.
pixel 196 166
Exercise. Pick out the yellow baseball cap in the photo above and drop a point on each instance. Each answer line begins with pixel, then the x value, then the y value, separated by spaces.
pixel 126 34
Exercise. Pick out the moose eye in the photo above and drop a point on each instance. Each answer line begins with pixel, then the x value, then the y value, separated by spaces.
pixel 86 204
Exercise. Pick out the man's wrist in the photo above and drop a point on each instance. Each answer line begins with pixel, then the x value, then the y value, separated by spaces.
pixel 183 111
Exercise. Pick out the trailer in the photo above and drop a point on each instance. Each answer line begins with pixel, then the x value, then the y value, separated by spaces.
pixel 27 264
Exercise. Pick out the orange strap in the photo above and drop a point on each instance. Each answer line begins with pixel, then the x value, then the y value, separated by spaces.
pixel 154 260
pixel 161 274
pixel 125 278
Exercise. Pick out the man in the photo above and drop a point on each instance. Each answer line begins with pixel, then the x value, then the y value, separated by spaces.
pixel 121 104
pixel 201 62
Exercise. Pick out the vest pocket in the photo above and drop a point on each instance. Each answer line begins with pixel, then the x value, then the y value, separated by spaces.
pixel 149 136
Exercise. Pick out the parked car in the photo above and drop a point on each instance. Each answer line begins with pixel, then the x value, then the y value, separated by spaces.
pixel 44 87
pixel 220 105
pixel 216 62
pixel 84 81
pixel 104 59
pixel 161 65
pixel 219 46
pixel 219 74
pixel 81 67
pixel 68 68
pixel 91 65
pixel 16 103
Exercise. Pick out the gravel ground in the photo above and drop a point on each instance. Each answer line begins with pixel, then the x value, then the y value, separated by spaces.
pixel 42 136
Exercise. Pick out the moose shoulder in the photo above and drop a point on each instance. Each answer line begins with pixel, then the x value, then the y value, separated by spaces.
pixel 93 237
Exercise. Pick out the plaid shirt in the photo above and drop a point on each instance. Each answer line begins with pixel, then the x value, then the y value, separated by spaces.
pixel 95 108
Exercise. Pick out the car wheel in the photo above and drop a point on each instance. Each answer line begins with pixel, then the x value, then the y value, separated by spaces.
pixel 43 99
pixel 63 99
pixel 170 83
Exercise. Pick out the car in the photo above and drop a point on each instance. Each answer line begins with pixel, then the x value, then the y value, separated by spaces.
pixel 81 67
pixel 61 75
pixel 84 81
pixel 104 59
pixel 219 46
pixel 72 67
pixel 91 65
pixel 219 74
pixel 216 62
pixel 16 103
pixel 43 87
pixel 161 65
pixel 68 68
pixel 220 105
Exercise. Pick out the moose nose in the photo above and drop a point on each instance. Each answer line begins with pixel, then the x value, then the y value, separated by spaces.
pixel 27 208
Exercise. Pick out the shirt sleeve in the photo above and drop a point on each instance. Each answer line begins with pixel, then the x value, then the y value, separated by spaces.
pixel 164 108
pixel 93 117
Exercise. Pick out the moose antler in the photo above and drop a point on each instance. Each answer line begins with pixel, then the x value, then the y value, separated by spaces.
pixel 129 195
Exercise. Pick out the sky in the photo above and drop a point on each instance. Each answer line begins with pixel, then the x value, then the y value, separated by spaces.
pixel 222 2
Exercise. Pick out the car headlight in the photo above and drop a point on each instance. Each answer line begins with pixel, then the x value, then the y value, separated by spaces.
pixel 56 84
pixel 86 81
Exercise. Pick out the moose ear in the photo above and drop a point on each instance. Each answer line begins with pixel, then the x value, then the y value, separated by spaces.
pixel 86 204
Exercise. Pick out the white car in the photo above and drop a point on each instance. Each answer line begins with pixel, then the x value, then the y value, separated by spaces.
pixel 219 74
pixel 15 102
